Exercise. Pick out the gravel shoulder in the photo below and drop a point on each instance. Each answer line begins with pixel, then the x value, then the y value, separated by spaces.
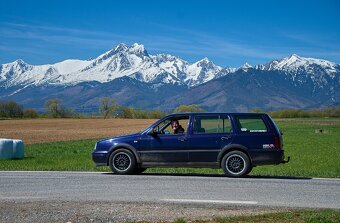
pixel 68 211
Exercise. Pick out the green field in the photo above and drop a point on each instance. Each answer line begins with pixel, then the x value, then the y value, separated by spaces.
pixel 313 144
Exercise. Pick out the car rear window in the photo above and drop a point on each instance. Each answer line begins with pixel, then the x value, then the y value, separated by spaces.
pixel 212 124
pixel 251 124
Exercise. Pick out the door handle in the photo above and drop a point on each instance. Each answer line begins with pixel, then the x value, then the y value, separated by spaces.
pixel 225 137
pixel 182 139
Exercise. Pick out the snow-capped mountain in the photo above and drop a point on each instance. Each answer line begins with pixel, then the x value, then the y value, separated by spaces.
pixel 293 82
pixel 301 69
pixel 248 88
pixel 245 67
pixel 191 74
pixel 172 64
pixel 10 72
pixel 21 73
pixel 122 61
pixel 133 77
pixel 200 72
pixel 132 61
pixel 225 71
pixel 295 63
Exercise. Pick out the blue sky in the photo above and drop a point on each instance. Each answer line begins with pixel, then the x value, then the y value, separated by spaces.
pixel 229 33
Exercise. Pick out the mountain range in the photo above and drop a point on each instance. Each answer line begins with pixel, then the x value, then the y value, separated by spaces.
pixel 133 77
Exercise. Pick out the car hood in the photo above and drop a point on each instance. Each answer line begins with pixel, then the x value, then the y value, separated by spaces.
pixel 122 138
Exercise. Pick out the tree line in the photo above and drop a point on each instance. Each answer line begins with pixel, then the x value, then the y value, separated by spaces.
pixel 108 108
pixel 332 112
pixel 11 109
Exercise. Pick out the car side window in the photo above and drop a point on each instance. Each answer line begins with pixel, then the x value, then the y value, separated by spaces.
pixel 251 124
pixel 173 125
pixel 211 124
pixel 226 124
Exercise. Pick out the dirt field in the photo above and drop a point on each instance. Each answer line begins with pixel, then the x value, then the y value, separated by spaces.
pixel 49 130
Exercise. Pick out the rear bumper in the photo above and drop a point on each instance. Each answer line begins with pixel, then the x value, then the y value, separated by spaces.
pixel 100 158
pixel 267 157
pixel 286 161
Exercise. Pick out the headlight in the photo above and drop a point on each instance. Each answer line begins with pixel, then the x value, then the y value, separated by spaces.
pixel 95 147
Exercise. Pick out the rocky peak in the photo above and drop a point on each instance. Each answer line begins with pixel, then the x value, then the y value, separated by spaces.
pixel 138 49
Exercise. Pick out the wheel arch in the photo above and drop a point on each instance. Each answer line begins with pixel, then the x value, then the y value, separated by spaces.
pixel 123 146
pixel 232 147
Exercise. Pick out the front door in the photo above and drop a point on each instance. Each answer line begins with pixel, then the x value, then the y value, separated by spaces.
pixel 166 145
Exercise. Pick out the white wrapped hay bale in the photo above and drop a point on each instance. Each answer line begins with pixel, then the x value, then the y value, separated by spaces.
pixel 6 149
pixel 18 149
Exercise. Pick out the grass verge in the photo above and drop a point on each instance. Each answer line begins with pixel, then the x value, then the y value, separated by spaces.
pixel 55 156
pixel 296 216
pixel 314 153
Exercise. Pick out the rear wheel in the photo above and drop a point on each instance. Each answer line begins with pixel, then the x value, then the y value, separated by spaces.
pixel 236 164
pixel 122 161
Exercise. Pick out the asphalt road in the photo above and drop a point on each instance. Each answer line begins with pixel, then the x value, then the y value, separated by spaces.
pixel 182 189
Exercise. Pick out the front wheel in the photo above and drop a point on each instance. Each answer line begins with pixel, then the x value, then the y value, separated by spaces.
pixel 139 170
pixel 236 164
pixel 122 161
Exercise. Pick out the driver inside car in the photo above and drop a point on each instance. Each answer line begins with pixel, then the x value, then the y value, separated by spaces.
pixel 176 127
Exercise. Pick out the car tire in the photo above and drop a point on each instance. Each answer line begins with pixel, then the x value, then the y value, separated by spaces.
pixel 122 161
pixel 139 170
pixel 236 164
pixel 249 170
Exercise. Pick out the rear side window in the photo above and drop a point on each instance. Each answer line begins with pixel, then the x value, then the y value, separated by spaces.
pixel 251 124
pixel 212 124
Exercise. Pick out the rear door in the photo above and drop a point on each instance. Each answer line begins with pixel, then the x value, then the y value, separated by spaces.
pixel 209 134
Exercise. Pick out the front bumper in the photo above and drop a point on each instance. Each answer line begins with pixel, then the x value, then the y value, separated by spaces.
pixel 100 158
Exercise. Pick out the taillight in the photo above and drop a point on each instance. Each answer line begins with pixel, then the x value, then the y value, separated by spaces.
pixel 277 142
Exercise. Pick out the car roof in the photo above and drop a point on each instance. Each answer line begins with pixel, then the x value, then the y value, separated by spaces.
pixel 216 113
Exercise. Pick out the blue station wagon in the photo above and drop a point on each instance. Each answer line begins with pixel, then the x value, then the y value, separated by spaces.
pixel 235 142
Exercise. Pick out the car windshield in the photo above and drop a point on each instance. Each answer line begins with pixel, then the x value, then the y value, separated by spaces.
pixel 147 128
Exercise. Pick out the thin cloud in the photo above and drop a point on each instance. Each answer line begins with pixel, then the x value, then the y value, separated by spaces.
pixel 202 45
pixel 173 40
pixel 315 45
pixel 313 40
pixel 199 45
pixel 59 35
pixel 200 42
pixel 73 31
pixel 227 48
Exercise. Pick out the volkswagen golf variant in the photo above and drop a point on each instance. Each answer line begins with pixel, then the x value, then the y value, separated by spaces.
pixel 235 142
